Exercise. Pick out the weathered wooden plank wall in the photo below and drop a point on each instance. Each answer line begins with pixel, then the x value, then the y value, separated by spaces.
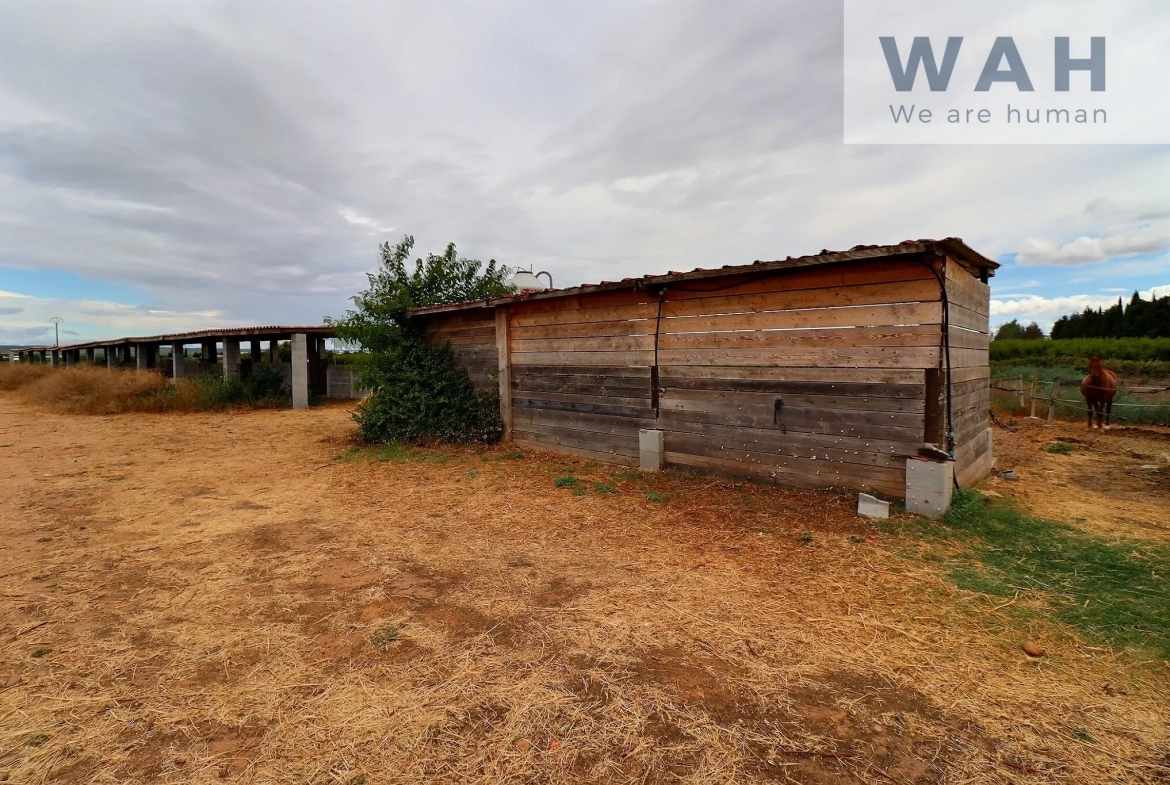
pixel 580 369
pixel 819 376
pixel 472 335
pixel 969 302
pixel 814 377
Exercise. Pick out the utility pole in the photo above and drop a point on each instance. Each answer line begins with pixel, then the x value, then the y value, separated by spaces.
pixel 56 320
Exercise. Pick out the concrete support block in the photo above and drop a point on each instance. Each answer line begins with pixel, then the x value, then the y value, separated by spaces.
pixel 872 507
pixel 177 354
pixel 929 485
pixel 254 352
pixel 141 356
pixel 300 371
pixel 90 354
pixel 56 358
pixel 126 356
pixel 111 356
pixel 44 356
pixel 231 358
pixel 274 351
pixel 651 448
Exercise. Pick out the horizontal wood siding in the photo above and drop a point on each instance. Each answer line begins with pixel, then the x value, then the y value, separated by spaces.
pixel 472 336
pixel 812 378
pixel 580 373
pixel 969 305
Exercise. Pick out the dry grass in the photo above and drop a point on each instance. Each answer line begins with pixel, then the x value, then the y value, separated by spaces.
pixel 13 376
pixel 86 389
pixel 89 390
pixel 215 596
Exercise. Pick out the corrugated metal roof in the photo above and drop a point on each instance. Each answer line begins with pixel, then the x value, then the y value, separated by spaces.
pixel 952 245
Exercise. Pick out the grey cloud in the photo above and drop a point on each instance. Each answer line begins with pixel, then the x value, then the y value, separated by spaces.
pixel 207 153
pixel 5 311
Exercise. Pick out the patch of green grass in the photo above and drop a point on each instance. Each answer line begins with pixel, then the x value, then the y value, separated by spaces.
pixel 1110 591
pixel 566 481
pixel 352 454
pixel 655 496
pixel 38 653
pixel 385 635
pixel 805 538
pixel 511 455
pixel 1060 448
pixel 473 473
pixel 1084 735
pixel 603 487
pixel 394 452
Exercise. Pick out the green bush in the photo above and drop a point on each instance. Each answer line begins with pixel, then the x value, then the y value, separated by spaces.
pixel 419 393
pixel 422 397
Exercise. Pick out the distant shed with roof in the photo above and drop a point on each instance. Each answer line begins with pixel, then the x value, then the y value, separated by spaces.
pixel 824 370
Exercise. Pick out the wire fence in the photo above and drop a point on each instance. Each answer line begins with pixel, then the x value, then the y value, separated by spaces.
pixel 1047 394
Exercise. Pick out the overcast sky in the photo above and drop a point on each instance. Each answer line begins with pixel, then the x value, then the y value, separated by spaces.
pixel 180 164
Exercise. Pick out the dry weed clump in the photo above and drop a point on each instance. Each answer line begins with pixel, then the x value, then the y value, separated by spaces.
pixel 13 376
pixel 96 390
pixel 90 390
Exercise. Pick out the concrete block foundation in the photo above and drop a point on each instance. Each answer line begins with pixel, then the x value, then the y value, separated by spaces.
pixel 651 448
pixel 929 485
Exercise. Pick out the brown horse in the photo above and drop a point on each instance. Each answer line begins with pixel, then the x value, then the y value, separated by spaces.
pixel 1099 387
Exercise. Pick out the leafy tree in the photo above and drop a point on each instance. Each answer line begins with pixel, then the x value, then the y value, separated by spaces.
pixel 1032 333
pixel 419 392
pixel 1137 319
pixel 1013 331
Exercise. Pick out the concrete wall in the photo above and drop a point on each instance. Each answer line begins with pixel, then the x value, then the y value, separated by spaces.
pixel 340 383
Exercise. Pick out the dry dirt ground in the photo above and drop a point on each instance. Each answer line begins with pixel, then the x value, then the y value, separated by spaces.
pixel 218 597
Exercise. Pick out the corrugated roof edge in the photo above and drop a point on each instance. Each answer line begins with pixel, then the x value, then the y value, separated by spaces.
pixel 954 246
pixel 193 335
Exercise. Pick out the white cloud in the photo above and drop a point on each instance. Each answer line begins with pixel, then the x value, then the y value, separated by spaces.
pixel 1089 250
pixel 26 319
pixel 357 219
pixel 1046 310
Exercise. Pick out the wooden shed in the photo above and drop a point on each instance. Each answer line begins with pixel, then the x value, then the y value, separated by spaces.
pixel 824 370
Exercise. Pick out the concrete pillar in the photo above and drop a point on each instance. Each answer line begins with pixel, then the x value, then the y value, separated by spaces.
pixel 274 351
pixel 254 352
pixel 90 353
pixel 651 447
pixel 111 355
pixel 141 355
pixel 44 357
pixel 929 485
pixel 126 354
pixel 231 357
pixel 177 355
pixel 56 358
pixel 300 371
pixel 208 352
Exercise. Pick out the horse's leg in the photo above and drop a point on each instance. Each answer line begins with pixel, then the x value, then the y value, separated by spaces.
pixel 1090 405
pixel 1108 411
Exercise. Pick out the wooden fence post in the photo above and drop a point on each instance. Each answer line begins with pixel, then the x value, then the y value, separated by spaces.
pixel 1021 392
pixel 1033 393
pixel 504 357
pixel 1052 400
